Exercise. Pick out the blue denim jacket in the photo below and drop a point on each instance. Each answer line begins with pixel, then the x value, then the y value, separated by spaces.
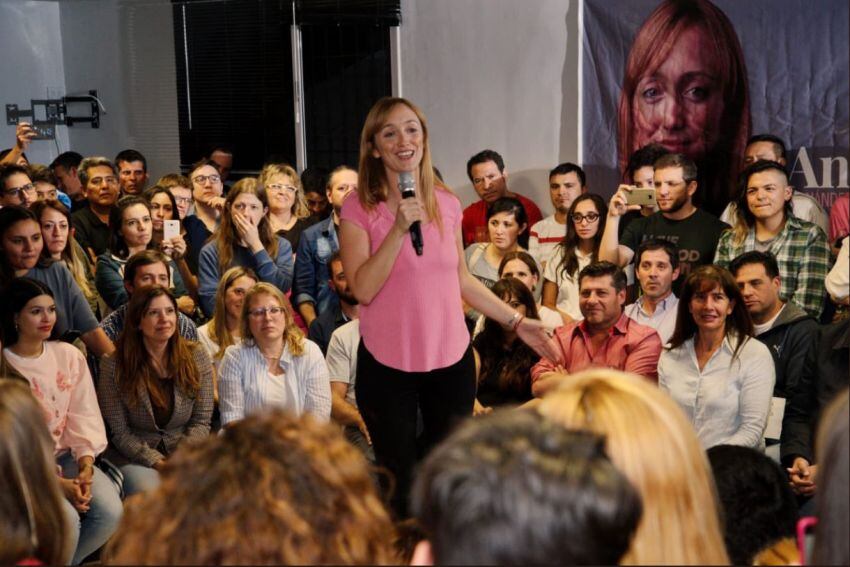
pixel 312 272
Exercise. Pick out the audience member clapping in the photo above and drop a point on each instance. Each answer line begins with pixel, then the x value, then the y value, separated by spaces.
pixel 272 489
pixel 33 528
pixel 516 489
pixel 718 373
pixel 155 391
pixel 274 365
pixel 245 238
pixel 650 440
pixel 59 377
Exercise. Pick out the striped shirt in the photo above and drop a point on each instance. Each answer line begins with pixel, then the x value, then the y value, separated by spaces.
pixel 802 253
pixel 243 382
pixel 544 238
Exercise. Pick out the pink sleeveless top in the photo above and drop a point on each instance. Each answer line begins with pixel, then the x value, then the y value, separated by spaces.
pixel 415 322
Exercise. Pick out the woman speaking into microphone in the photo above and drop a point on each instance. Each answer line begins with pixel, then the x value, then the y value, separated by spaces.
pixel 415 349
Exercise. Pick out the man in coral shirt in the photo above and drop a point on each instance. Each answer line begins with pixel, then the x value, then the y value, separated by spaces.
pixel 605 338
pixel 486 170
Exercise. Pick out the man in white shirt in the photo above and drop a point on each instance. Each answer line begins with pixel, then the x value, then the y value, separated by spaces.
pixel 566 182
pixel 656 267
pixel 771 148
pixel 341 359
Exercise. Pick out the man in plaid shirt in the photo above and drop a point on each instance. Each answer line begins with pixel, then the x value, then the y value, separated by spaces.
pixel 800 247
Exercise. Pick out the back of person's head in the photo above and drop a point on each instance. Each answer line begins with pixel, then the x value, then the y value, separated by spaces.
pixel 567 167
pixel 759 507
pixel 271 489
pixel 832 448
pixel 17 293
pixel 651 441
pixel 32 521
pixel 67 160
pixel 513 488
pixel 644 157
pixel 129 156
pixel 483 157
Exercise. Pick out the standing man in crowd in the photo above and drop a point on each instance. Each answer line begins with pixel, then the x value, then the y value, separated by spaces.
pixel 99 177
pixel 223 157
pixel 312 294
pixel 656 267
pixel 694 231
pixel 486 170
pixel 566 182
pixel 132 172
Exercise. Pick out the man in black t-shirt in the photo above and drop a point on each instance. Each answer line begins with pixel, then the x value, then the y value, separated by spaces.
pixel 694 231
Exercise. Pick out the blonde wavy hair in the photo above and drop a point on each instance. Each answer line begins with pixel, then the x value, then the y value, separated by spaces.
pixel 651 441
pixel 372 186
pixel 299 207
pixel 272 489
pixel 218 324
pixel 292 335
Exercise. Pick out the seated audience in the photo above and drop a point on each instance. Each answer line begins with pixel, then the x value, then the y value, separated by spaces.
pixel 288 212
pixel 148 267
pixel 502 360
pixel 276 490
pixel 16 188
pixel 132 172
pixel 180 188
pixel 580 247
pixel 515 489
pixel 274 366
pixel 650 441
pixel 566 182
pixel 164 207
pixel 131 220
pixel 767 147
pixel 223 157
pixel 244 239
pixel 507 227
pixel 825 373
pixel 832 546
pixel 606 337
pixel 45 185
pixel 521 265
pixel 21 245
pixel 208 205
pixel 311 289
pixel 759 509
pixel 486 170
pixel 155 391
pixel 721 377
pixel 225 326
pixel 99 177
pixel 346 308
pixel 694 231
pixel 656 268
pixel 66 168
pixel 341 359
pixel 767 225
pixel 33 528
pixel 59 378
pixel 313 179
pixel 61 246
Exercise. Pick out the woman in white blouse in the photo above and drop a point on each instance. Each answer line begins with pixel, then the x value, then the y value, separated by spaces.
pixel 718 373
pixel 274 365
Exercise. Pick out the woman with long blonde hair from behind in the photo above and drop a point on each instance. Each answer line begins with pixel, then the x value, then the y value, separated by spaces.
pixel 653 444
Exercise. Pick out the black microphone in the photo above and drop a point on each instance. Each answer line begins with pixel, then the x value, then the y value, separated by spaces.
pixel 407 186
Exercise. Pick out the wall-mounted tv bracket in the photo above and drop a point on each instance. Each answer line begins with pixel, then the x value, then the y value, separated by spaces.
pixel 45 114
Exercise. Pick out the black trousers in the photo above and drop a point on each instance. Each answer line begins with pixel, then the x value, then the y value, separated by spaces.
pixel 388 400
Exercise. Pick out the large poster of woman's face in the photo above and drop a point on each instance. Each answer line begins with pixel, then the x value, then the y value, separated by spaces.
pixel 701 77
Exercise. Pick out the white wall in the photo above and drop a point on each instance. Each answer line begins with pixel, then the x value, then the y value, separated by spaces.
pixel 31 63
pixel 498 74
pixel 125 50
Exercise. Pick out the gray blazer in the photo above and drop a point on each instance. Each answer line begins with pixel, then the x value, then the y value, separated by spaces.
pixel 133 433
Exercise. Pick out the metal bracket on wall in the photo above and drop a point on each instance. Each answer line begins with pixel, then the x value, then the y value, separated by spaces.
pixel 45 114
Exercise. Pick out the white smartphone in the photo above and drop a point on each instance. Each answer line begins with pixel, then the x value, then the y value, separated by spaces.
pixel 171 229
